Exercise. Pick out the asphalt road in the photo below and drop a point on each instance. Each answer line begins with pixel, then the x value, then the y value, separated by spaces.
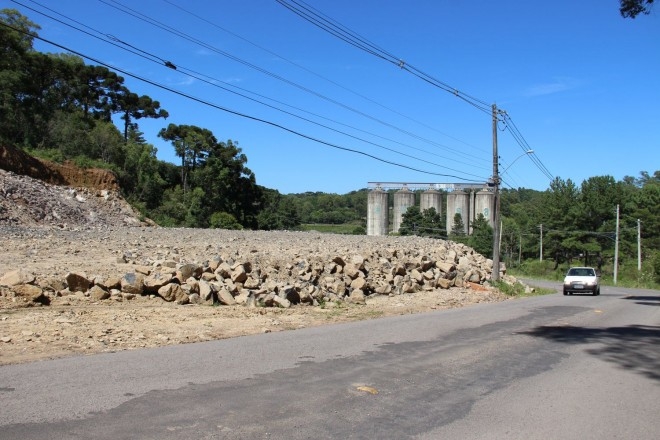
pixel 552 367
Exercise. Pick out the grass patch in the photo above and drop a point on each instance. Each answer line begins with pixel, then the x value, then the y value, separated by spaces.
pixel 519 290
pixel 627 276
pixel 345 228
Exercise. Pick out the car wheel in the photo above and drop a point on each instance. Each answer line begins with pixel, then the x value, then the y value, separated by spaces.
pixel 565 292
pixel 597 291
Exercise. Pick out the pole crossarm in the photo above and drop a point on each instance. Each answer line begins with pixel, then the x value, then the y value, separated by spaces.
pixel 436 186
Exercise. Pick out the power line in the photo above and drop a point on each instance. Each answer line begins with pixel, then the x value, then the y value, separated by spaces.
pixel 214 82
pixel 142 17
pixel 225 109
pixel 511 127
pixel 340 31
pixel 335 83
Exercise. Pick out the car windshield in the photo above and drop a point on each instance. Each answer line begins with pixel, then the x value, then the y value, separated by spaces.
pixel 581 272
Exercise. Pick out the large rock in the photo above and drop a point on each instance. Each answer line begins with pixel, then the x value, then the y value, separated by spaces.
pixel 239 274
pixel 133 283
pixel 157 280
pixel 173 292
pixel 77 282
pixel 31 293
pixel 16 277
pixel 225 297
pixel 97 293
pixel 205 291
pixel 189 270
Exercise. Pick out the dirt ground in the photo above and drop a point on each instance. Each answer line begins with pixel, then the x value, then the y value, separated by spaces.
pixel 50 230
pixel 73 326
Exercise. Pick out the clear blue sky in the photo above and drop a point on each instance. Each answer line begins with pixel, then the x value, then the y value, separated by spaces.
pixel 579 82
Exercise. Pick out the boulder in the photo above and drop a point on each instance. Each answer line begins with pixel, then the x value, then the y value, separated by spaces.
pixel 445 266
pixel 97 293
pixel 16 277
pixel 133 283
pixel 173 292
pixel 189 270
pixel 77 282
pixel 357 297
pixel 225 297
pixel 31 293
pixel 239 274
pixel 205 291
pixel 157 280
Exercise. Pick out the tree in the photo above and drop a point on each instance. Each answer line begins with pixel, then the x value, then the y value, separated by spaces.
pixel 458 229
pixel 16 36
pixel 427 223
pixel 134 107
pixel 191 143
pixel 632 8
pixel 559 213
pixel 481 239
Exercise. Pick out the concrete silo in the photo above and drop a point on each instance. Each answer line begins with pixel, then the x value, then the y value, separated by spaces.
pixel 431 199
pixel 377 212
pixel 458 202
pixel 483 204
pixel 403 199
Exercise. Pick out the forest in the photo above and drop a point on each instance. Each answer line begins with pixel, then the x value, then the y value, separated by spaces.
pixel 57 107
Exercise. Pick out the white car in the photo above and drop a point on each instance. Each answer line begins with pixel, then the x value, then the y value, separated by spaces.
pixel 582 280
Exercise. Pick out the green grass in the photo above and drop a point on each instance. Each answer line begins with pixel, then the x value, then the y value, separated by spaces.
pixel 627 275
pixel 518 290
pixel 346 228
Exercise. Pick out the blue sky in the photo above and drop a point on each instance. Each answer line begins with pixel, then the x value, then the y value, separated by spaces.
pixel 579 82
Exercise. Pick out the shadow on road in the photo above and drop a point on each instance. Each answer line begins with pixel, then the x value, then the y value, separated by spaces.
pixel 645 300
pixel 633 347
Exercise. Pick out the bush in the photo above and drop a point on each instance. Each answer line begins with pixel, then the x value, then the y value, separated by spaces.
pixel 224 220
pixel 656 267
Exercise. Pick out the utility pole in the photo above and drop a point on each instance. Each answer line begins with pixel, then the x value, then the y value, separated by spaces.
pixel 496 203
pixel 639 245
pixel 616 246
pixel 541 247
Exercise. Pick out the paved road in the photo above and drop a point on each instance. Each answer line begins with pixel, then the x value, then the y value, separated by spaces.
pixel 552 367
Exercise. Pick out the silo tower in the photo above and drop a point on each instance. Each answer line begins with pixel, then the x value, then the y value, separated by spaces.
pixel 377 212
pixel 403 199
pixel 458 202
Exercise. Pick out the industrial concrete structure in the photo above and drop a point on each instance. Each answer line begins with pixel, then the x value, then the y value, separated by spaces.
pixel 377 212
pixel 468 200
pixel 483 204
pixel 458 202
pixel 431 198
pixel 403 199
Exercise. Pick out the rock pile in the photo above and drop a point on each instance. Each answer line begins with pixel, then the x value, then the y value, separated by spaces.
pixel 254 278
pixel 77 242
pixel 26 201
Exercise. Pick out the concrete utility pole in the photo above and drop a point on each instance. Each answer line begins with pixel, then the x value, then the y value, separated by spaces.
pixel 496 202
pixel 616 246
pixel 639 245
pixel 541 246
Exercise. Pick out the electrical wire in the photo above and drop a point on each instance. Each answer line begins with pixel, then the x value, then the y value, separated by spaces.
pixel 214 82
pixel 331 26
pixel 335 83
pixel 225 109
pixel 142 17
pixel 318 19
